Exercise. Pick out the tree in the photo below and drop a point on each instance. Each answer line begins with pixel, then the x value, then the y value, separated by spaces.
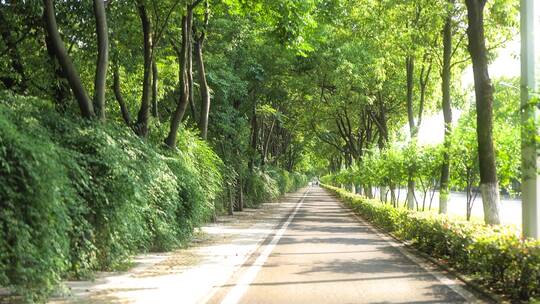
pixel 446 74
pixel 203 84
pixel 141 126
pixel 489 185
pixel 178 114
pixel 153 32
pixel 185 71
pixel 103 58
pixel 59 50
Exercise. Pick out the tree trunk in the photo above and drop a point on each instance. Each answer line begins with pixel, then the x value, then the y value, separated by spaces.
pixel 410 87
pixel 410 190
pixel 100 81
pixel 155 79
pixel 425 74
pixel 85 104
pixel 254 138
pixel 412 126
pixel 178 114
pixel 191 98
pixel 267 141
pixel 393 197
pixel 60 84
pixel 489 186
pixel 118 94
pixel 231 201
pixel 382 193
pixel 205 92
pixel 444 193
pixel 240 193
pixel 141 127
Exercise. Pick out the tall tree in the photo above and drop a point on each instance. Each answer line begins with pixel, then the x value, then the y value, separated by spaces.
pixel 446 106
pixel 141 126
pixel 483 88
pixel 153 31
pixel 184 73
pixel 103 58
pixel 181 105
pixel 59 50
pixel 412 126
pixel 203 84
pixel 118 95
pixel 155 87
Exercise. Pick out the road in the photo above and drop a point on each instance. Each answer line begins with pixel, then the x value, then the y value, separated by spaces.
pixel 322 253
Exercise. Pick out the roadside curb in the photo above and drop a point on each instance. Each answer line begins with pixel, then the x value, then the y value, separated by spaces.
pixel 469 282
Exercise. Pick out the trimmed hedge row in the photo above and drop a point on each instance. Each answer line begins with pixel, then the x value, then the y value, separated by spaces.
pixel 493 255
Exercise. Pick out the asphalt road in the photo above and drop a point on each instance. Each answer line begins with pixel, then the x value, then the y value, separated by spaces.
pixel 322 253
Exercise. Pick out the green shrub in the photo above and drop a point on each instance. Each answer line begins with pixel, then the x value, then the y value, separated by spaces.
pixel 79 196
pixel 265 186
pixel 496 256
pixel 34 195
pixel 299 180
pixel 198 171
pixel 283 180
pixel 260 188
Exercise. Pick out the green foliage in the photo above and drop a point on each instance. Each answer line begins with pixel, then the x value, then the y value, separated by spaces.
pixel 34 207
pixel 283 179
pixel 265 186
pixel 494 255
pixel 389 167
pixel 82 196
pixel 260 188
pixel 286 181
pixel 506 129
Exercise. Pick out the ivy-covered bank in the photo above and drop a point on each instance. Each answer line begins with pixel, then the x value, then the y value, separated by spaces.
pixel 80 196
pixel 492 255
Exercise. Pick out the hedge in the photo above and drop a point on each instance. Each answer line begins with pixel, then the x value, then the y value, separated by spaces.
pixel 494 256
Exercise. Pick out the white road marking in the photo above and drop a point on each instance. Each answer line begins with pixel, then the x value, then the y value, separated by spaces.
pixel 242 286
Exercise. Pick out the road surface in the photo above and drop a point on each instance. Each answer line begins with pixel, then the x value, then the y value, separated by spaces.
pixel 322 253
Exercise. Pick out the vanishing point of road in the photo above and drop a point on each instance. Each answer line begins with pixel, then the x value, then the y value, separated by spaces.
pixel 322 253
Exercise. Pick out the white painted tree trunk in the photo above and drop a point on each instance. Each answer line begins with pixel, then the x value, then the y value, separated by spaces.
pixel 410 194
pixel 491 202
pixel 382 193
